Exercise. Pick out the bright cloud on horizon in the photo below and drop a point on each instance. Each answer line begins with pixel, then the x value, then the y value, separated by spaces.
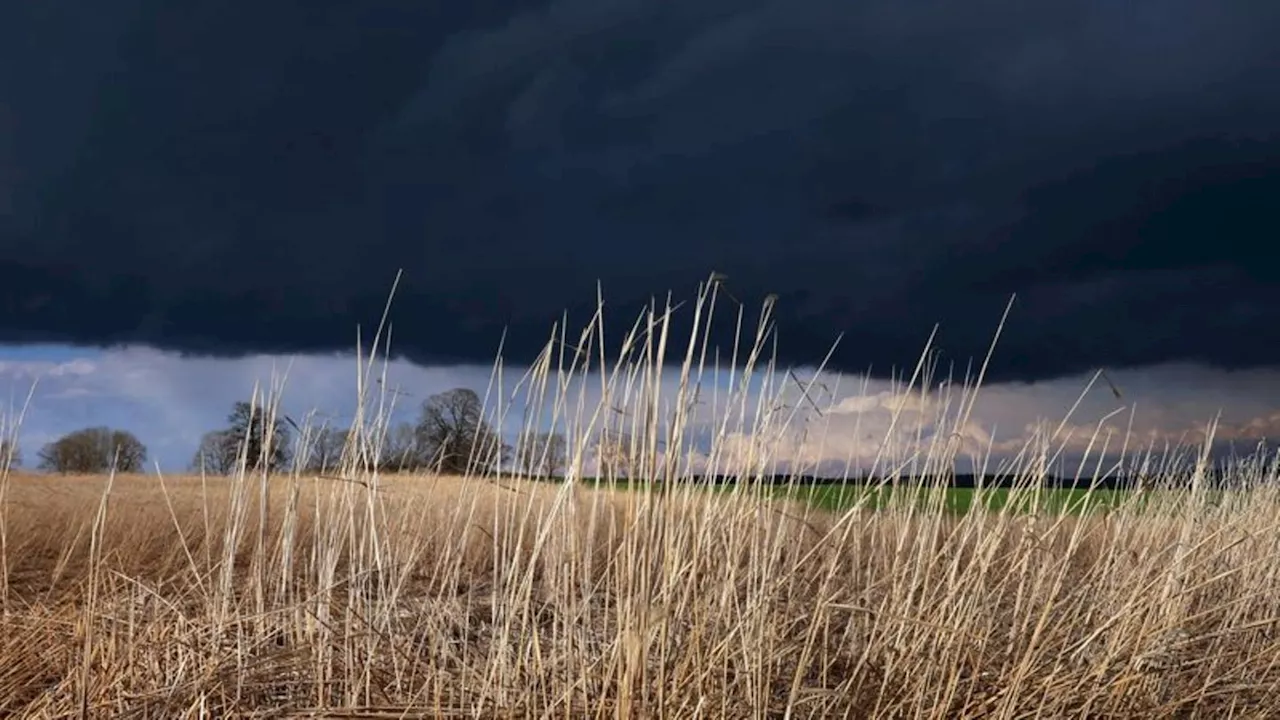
pixel 169 401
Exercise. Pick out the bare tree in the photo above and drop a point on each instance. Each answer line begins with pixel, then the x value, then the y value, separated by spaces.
pixel 324 450
pixel 541 453
pixel 402 449
pixel 616 455
pixel 94 450
pixel 264 444
pixel 250 439
pixel 453 433
pixel 217 454
pixel 10 454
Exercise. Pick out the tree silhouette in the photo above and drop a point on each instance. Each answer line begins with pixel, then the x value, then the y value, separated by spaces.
pixel 541 453
pixel 94 450
pixel 217 454
pixel 262 445
pixel 10 454
pixel 453 434
pixel 265 444
pixel 403 450
pixel 617 455
pixel 324 449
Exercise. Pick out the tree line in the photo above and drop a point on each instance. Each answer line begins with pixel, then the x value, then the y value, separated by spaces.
pixel 450 435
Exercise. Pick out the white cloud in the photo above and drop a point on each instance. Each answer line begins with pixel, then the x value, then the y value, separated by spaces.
pixel 1170 404
pixel 32 369
pixel 844 421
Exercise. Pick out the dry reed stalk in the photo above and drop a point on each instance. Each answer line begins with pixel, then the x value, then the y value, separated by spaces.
pixel 431 596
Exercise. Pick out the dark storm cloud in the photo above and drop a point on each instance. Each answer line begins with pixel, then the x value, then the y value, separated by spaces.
pixel 230 177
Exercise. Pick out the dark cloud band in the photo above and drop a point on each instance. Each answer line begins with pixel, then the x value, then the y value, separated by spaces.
pixel 226 178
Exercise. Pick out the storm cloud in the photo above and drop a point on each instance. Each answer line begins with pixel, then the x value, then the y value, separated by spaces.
pixel 230 177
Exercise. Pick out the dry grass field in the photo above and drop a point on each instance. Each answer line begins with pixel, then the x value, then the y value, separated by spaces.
pixel 466 597
pixel 453 597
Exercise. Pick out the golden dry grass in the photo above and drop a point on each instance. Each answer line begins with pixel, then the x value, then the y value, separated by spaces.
pixel 443 597
pixel 401 597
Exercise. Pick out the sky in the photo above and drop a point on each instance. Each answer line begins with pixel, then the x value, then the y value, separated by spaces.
pixel 192 195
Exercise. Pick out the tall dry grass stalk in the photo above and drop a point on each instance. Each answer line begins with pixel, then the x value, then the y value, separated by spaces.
pixel 492 596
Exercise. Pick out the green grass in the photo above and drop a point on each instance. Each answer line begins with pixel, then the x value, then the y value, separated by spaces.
pixel 837 498
pixel 841 497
